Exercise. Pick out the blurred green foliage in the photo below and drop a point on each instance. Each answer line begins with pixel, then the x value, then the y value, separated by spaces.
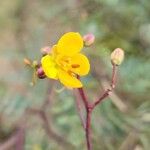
pixel 26 26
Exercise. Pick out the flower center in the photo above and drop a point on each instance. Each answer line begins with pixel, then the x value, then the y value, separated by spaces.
pixel 66 64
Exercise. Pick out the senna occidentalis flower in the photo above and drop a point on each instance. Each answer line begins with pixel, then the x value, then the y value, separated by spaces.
pixel 65 61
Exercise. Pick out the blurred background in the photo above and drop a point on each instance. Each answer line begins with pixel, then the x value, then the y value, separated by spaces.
pixel 122 122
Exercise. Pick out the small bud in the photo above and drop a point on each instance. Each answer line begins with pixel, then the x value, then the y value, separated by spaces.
pixel 117 56
pixel 45 50
pixel 40 73
pixel 88 39
pixel 27 61
pixel 35 64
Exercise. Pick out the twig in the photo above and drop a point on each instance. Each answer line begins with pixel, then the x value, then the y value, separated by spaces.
pixel 107 92
pixel 99 74
pixel 83 96
pixel 113 79
pixel 88 129
pixel 79 111
pixel 88 118
pixel 90 107
pixel 115 98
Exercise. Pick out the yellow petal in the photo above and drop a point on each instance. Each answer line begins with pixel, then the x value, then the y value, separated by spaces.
pixel 80 64
pixel 70 44
pixel 54 50
pixel 68 80
pixel 49 67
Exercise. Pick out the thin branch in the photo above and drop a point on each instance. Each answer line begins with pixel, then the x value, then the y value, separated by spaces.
pixel 104 95
pixel 88 129
pixel 115 98
pixel 114 74
pixel 88 117
pixel 83 97
pixel 78 104
pixel 100 75
pixel 90 107
pixel 107 92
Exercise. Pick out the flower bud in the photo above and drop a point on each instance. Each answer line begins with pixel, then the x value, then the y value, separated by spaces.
pixel 27 61
pixel 88 39
pixel 117 56
pixel 35 64
pixel 40 73
pixel 45 50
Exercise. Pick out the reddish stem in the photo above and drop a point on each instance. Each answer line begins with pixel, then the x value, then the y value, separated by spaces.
pixel 88 129
pixel 83 96
pixel 113 79
pixel 89 108
pixel 79 109
pixel 107 92
pixel 88 118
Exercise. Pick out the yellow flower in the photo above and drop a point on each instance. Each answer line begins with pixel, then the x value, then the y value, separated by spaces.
pixel 65 61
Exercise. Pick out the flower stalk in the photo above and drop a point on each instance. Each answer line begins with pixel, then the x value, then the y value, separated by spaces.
pixel 90 107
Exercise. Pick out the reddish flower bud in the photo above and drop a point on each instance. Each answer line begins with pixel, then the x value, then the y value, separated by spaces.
pixel 45 50
pixel 40 73
pixel 117 56
pixel 88 39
